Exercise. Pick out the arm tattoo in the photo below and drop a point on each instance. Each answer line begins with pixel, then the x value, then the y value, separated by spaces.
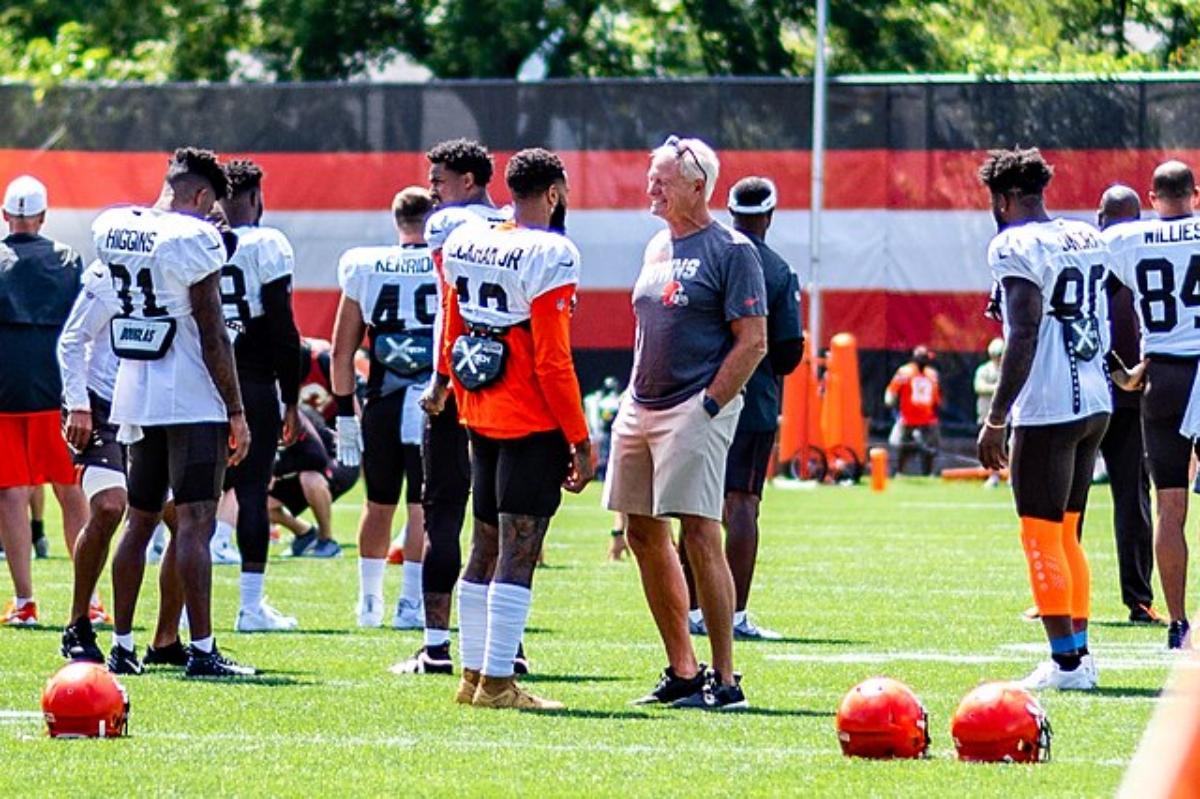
pixel 214 342
pixel 1023 310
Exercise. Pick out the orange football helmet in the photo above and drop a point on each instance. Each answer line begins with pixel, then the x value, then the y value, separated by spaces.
pixel 83 700
pixel 1001 722
pixel 882 718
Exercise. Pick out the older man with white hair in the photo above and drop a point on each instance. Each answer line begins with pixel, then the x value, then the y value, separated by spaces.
pixel 700 303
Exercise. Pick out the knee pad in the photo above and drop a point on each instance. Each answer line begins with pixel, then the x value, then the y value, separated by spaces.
pixel 1081 575
pixel 1049 571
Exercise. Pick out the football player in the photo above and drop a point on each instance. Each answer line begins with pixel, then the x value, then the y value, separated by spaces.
pixel 507 342
pixel 256 296
pixel 459 173
pixel 176 395
pixel 1054 392
pixel 1159 260
pixel 391 294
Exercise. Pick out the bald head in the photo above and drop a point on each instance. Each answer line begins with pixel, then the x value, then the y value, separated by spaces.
pixel 1119 203
pixel 1173 191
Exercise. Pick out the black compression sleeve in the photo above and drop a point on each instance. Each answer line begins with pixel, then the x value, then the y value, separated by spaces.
pixel 285 339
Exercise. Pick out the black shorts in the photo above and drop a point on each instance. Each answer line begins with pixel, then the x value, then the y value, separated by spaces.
pixel 306 454
pixel 289 492
pixel 1052 466
pixel 521 476
pixel 386 462
pixel 189 459
pixel 103 451
pixel 260 401
pixel 1164 401
pixel 747 462
pixel 446 453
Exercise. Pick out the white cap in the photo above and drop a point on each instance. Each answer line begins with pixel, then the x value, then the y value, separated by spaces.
pixel 25 196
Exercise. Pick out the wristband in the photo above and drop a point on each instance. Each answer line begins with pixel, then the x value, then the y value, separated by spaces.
pixel 711 407
pixel 988 424
pixel 345 404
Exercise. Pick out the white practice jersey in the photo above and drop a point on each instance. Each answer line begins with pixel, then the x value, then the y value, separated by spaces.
pixel 1160 263
pixel 263 255
pixel 394 286
pixel 1067 261
pixel 498 272
pixel 155 257
pixel 86 360
pixel 442 222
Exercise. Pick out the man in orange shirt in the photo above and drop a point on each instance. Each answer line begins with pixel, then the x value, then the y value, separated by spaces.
pixel 507 342
pixel 915 388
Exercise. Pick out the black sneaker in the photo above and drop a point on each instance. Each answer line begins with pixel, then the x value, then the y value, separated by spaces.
pixel 672 687
pixel 427 660
pixel 214 665
pixel 173 654
pixel 520 662
pixel 1145 614
pixel 302 542
pixel 715 696
pixel 123 661
pixel 79 642
pixel 1177 634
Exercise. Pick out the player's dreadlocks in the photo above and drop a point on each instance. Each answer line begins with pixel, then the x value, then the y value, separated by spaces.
pixel 532 171
pixel 193 162
pixel 1022 171
pixel 243 175
pixel 464 156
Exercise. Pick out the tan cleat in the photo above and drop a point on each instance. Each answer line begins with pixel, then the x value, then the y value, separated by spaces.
pixel 503 692
pixel 466 686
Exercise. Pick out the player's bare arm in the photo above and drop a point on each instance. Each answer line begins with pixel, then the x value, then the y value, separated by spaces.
pixel 348 330
pixel 1023 309
pixel 218 359
pixel 749 347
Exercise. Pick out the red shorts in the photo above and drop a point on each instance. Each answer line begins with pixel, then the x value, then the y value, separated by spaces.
pixel 32 450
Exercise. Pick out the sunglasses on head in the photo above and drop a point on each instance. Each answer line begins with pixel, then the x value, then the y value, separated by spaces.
pixel 676 144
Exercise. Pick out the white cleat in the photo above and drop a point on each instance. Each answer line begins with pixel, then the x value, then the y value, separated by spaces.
pixel 370 611
pixel 1089 663
pixel 223 552
pixel 1050 676
pixel 749 631
pixel 263 619
pixel 409 615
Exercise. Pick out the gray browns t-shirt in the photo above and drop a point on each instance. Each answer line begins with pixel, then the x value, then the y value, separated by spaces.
pixel 688 292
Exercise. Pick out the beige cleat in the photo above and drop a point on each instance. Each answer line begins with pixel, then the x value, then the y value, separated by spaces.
pixel 466 686
pixel 503 692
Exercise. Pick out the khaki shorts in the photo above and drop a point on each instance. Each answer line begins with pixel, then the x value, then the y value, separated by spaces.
pixel 670 462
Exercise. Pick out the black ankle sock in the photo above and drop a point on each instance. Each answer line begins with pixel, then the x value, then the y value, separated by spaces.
pixel 1083 652
pixel 1067 662
pixel 39 529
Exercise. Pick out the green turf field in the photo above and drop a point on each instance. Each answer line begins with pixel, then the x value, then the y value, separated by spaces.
pixel 924 583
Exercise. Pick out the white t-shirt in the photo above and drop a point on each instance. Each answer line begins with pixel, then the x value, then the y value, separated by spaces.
pixel 499 271
pixel 155 257
pixel 1066 260
pixel 263 255
pixel 1160 263
pixel 85 356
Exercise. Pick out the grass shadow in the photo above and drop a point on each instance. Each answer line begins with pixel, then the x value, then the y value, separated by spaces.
pixel 601 715
pixel 783 713
pixel 265 680
pixel 1127 625
pixel 798 640
pixel 1119 692
pixel 569 678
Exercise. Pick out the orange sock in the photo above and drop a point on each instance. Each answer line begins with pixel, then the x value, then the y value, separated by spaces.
pixel 1049 570
pixel 1081 574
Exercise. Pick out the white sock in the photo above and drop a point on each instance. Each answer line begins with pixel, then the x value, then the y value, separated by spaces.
pixel 124 641
pixel 508 610
pixel 411 589
pixel 224 533
pixel 370 577
pixel 252 590
pixel 436 637
pixel 739 617
pixel 696 616
pixel 95 598
pixel 472 623
pixel 22 601
pixel 203 644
